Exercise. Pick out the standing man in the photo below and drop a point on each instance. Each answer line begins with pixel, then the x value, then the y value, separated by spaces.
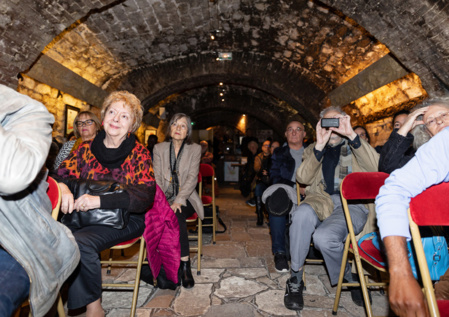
pixel 337 152
pixel 284 163
pixel 37 254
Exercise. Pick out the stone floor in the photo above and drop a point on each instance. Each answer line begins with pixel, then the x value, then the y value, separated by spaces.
pixel 237 278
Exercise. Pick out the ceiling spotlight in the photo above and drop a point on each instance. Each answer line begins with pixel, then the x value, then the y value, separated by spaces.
pixel 244 115
pixel 212 37
pixel 221 84
pixel 221 94
pixel 222 99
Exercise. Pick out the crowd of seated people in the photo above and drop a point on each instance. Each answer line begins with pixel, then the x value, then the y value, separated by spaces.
pixel 113 154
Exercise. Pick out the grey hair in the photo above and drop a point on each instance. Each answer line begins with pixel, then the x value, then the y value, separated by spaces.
pixel 442 101
pixel 331 108
pixel 420 135
pixel 176 117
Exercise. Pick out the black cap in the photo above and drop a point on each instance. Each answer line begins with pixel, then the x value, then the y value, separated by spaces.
pixel 279 203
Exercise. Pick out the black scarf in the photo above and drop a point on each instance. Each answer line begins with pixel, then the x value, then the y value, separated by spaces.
pixel 112 158
pixel 173 188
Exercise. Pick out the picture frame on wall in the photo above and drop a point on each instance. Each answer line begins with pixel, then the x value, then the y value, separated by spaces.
pixel 149 132
pixel 70 115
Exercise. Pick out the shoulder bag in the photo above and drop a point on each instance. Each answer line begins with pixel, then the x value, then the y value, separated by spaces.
pixel 116 218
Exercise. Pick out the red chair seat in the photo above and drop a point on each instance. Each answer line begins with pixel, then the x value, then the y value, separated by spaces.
pixel 193 217
pixel 443 307
pixel 207 200
pixel 127 242
pixel 368 246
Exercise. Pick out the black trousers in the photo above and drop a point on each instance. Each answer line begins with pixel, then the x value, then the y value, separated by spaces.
pixel 187 212
pixel 85 287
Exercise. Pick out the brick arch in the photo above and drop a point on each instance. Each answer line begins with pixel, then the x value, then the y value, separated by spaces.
pixel 271 112
pixel 276 78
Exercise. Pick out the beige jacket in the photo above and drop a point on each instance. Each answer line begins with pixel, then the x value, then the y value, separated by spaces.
pixel 188 173
pixel 364 159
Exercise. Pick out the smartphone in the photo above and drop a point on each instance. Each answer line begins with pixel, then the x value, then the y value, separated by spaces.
pixel 330 122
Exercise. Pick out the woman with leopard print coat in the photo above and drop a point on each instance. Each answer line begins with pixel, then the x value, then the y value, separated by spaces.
pixel 113 155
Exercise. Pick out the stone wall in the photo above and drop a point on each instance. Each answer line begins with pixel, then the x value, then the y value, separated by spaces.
pixel 56 100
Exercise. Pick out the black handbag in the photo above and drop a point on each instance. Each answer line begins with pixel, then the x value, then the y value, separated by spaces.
pixel 116 218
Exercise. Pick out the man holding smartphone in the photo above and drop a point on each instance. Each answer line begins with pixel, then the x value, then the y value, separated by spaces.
pixel 337 152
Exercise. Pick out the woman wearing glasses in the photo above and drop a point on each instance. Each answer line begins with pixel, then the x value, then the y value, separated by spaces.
pixel 85 127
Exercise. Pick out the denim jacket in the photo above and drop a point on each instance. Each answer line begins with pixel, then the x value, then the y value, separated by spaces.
pixel 45 248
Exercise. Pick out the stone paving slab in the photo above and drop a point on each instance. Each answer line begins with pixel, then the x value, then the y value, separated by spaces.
pixel 234 286
pixel 194 301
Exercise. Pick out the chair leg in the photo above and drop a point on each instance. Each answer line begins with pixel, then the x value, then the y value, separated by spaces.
pixel 340 278
pixel 60 307
pixel 200 246
pixel 358 263
pixel 214 222
pixel 108 271
pixel 142 252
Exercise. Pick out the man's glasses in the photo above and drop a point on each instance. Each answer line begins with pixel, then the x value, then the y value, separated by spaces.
pixel 441 117
pixel 83 123
pixel 297 130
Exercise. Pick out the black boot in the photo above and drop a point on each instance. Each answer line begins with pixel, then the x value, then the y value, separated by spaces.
pixel 259 211
pixel 186 274
pixel 163 282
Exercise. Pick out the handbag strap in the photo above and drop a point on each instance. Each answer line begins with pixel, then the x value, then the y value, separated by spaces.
pixel 374 236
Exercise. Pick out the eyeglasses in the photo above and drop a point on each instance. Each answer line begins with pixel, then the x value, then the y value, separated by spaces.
pixel 266 145
pixel 441 117
pixel 297 130
pixel 83 123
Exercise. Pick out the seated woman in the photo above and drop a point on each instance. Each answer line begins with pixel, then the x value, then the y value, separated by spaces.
pixel 176 167
pixel 114 155
pixel 85 127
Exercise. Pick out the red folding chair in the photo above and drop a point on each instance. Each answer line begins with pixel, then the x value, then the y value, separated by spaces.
pixel 430 208
pixel 359 186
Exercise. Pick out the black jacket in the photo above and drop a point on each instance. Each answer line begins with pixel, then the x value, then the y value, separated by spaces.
pixel 396 152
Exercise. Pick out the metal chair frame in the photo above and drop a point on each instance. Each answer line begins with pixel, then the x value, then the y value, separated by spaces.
pixel 351 239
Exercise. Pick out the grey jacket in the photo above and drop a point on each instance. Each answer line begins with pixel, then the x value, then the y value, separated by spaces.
pixel 189 168
pixel 45 248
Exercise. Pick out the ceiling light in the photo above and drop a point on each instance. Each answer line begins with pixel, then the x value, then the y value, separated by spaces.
pixel 224 56
pixel 221 84
pixel 221 94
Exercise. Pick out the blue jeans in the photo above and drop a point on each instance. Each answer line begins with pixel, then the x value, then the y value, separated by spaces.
pixel 260 188
pixel 15 284
pixel 277 229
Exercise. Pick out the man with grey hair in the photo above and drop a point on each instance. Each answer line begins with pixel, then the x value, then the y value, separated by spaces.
pixel 337 152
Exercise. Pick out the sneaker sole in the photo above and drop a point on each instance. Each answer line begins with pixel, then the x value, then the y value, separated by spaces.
pixel 281 271
pixel 294 307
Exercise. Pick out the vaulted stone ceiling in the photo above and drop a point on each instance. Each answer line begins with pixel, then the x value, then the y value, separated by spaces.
pixel 287 55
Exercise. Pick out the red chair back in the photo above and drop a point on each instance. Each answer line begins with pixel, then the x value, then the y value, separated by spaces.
pixel 206 170
pixel 430 208
pixel 53 192
pixel 362 185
